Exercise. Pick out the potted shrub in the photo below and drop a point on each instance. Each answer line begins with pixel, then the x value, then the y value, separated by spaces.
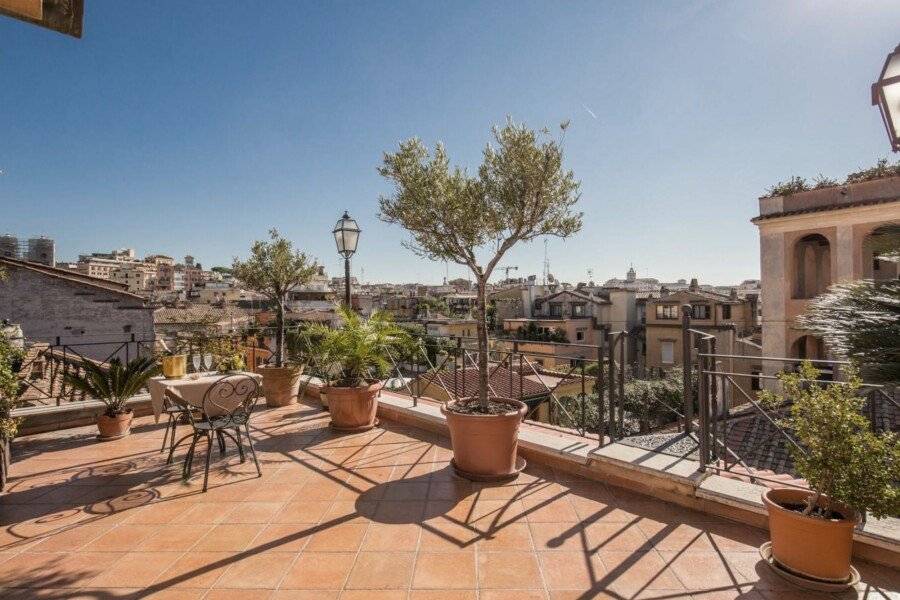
pixel 230 363
pixel 521 192
pixel 113 385
pixel 850 469
pixel 10 362
pixel 273 269
pixel 353 362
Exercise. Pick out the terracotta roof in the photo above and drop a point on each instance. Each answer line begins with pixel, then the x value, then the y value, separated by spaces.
pixel 197 314
pixel 578 295
pixel 71 276
pixel 466 383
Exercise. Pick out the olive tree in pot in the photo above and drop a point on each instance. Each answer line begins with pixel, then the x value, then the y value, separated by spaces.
pixel 353 361
pixel 521 192
pixel 113 384
pixel 851 471
pixel 273 269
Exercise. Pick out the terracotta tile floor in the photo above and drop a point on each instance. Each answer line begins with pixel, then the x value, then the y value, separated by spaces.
pixel 369 516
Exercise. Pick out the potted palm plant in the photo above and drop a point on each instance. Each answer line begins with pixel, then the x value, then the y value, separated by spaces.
pixel 273 269
pixel 851 471
pixel 113 384
pixel 521 192
pixel 353 360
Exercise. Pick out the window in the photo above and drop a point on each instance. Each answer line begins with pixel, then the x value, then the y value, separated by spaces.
pixel 754 381
pixel 579 336
pixel 555 309
pixel 726 311
pixel 578 310
pixel 700 311
pixel 666 311
pixel 667 353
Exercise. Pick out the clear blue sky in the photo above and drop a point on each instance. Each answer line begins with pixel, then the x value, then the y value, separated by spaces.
pixel 194 127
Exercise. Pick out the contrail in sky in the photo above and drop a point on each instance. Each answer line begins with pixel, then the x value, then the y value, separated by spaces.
pixel 589 111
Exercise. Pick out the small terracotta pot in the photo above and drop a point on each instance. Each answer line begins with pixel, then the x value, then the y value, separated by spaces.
pixel 484 446
pixel 280 384
pixel 113 428
pixel 353 408
pixel 809 546
pixel 175 366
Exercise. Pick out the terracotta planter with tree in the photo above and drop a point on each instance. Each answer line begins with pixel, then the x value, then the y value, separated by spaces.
pixel 113 384
pixel 521 192
pixel 273 269
pixel 851 471
pixel 353 359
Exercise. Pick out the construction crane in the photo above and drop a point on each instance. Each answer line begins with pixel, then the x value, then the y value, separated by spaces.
pixel 507 269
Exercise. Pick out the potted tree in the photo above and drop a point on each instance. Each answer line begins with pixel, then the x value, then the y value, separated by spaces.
pixel 352 360
pixel 521 192
pixel 850 469
pixel 113 385
pixel 273 269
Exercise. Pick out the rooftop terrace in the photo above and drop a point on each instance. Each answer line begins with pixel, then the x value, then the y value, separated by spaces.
pixel 377 516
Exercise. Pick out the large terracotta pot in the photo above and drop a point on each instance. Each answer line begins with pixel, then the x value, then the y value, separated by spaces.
pixel 484 446
pixel 809 546
pixel 280 384
pixel 113 428
pixel 175 366
pixel 353 408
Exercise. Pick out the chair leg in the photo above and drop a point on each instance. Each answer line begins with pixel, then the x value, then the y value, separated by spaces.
pixel 166 434
pixel 240 444
pixel 189 459
pixel 208 455
pixel 252 451
pixel 174 445
pixel 221 443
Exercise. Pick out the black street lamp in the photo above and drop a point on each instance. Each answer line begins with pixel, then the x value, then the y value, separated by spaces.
pixel 886 96
pixel 346 236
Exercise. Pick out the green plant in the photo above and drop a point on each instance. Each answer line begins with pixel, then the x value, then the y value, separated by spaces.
pixel 521 192
pixel 356 353
pixel 532 332
pixel 10 356
pixel 860 320
pixel 230 362
pixel 824 182
pixel 786 188
pixel 115 383
pixel 881 169
pixel 273 269
pixel 842 459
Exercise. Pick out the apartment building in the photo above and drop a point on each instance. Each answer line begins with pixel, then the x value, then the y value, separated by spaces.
pixel 137 277
pixel 808 241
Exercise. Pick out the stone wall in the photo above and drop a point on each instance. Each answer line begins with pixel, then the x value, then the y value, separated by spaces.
pixel 47 307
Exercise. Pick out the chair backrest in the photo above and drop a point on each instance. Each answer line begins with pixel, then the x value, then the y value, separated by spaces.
pixel 231 395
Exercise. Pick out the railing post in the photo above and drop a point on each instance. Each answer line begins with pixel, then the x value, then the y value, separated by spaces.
pixel 621 427
pixel 599 387
pixel 704 406
pixel 686 366
pixel 611 356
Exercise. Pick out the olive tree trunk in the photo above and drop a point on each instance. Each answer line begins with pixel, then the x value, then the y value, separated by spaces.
pixel 279 333
pixel 481 328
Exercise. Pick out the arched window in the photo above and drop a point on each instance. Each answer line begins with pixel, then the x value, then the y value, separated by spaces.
pixel 812 266
pixel 876 243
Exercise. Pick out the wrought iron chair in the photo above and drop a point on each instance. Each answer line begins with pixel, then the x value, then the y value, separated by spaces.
pixel 176 414
pixel 226 409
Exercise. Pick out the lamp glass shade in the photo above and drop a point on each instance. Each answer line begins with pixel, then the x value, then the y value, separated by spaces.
pixel 346 235
pixel 886 95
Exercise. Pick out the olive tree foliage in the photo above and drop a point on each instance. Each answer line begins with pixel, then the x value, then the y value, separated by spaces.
pixel 521 192
pixel 273 269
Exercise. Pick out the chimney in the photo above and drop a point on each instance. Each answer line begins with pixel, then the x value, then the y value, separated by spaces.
pixel 663 292
pixel 694 285
pixel 733 294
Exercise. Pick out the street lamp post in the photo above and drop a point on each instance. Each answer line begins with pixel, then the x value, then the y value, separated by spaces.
pixel 346 236
pixel 886 96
